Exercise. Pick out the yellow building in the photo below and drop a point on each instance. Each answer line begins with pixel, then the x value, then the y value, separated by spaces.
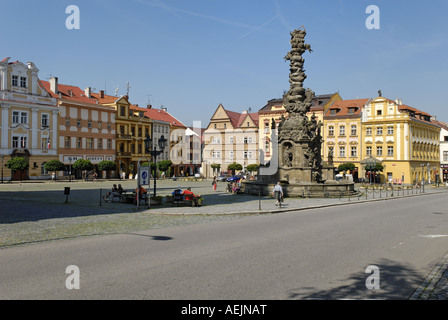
pixel 342 132
pixel 132 126
pixel 404 139
pixel 28 120
pixel 274 110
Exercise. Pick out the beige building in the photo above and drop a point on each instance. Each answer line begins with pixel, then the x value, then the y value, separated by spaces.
pixel 230 137
pixel 28 120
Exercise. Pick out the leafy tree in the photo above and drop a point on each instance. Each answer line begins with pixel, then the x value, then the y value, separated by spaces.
pixel 82 165
pixel 234 166
pixel 346 167
pixel 54 165
pixel 18 164
pixel 215 166
pixel 107 165
pixel 164 165
pixel 252 167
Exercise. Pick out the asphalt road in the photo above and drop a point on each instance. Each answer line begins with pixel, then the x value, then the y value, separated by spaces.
pixel 312 254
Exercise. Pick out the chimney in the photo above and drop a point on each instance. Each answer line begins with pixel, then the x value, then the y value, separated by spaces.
pixel 101 93
pixel 54 85
pixel 88 92
pixel 164 109
pixel 149 106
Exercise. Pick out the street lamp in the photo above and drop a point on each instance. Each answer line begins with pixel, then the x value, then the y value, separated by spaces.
pixel 423 177
pixel 151 148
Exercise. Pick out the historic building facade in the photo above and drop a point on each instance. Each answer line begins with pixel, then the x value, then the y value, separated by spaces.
pixel 28 119
pixel 404 139
pixel 86 128
pixel 230 137
pixel 274 110
pixel 342 132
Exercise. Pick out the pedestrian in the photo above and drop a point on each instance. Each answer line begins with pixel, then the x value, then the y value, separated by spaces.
pixel 278 194
pixel 215 183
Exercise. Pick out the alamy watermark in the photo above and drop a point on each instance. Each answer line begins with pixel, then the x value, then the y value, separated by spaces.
pixel 73 21
pixel 73 280
pixel 373 20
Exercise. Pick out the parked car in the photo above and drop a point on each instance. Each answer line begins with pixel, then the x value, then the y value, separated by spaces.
pixel 222 178
pixel 234 178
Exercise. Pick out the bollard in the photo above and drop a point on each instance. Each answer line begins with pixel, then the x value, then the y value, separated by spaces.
pixel 101 191
pixel 259 199
pixel 66 192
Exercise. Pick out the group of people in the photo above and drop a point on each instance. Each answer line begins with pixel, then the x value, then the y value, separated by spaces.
pixel 116 192
pixel 187 195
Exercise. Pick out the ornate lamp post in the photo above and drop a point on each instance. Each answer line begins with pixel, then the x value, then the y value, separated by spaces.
pixel 370 163
pixel 151 148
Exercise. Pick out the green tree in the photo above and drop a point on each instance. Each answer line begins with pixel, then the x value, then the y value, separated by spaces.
pixel 83 165
pixel 234 166
pixel 54 165
pixel 164 165
pixel 18 164
pixel 252 167
pixel 107 165
pixel 346 167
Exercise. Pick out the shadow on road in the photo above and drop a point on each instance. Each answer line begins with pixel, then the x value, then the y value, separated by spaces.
pixel 396 282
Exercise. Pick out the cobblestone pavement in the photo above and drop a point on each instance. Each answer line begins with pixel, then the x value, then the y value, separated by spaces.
pixel 38 211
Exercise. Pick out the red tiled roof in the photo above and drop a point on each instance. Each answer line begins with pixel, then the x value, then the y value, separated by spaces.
pixel 161 115
pixel 68 92
pixel 344 105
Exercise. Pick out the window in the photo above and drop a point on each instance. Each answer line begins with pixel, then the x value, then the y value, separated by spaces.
pixel 369 131
pixel 100 143
pixel 245 154
pixel 445 155
pixel 23 117
pixel 15 81
pixel 89 143
pixel 122 111
pixel 79 142
pixel 331 150
pixel 67 122
pixel 15 142
pixel 100 125
pixel 139 131
pixel 379 131
pixel 132 148
pixel 44 120
pixel 215 125
pixel 109 126
pixel 42 169
pixel 342 152
pixel 139 148
pixel 245 140
pixel 369 151
pixel 225 125
pixel 342 130
pixel 379 112
pixel 23 82
pixel 231 155
pixel 390 151
pixel 390 130
pixel 109 144
pixel 78 123
pixel 67 142
pixel 248 124
pixel 353 130
pixel 249 140
pixel 353 151
pixel 15 116
pixel 89 124
pixel 231 140
pixel 19 117
pixel 330 130
pixel 379 151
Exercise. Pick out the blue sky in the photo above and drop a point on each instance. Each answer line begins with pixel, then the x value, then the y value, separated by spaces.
pixel 192 55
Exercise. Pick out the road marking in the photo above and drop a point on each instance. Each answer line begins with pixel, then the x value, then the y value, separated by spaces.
pixel 432 236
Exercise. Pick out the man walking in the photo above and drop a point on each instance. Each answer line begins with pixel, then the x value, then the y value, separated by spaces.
pixel 278 194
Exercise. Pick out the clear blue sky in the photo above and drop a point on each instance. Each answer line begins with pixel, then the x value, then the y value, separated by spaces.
pixel 192 55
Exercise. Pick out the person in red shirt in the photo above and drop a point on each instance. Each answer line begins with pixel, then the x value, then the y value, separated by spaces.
pixel 189 195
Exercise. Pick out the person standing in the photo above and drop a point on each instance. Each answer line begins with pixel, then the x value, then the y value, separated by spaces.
pixel 215 183
pixel 278 194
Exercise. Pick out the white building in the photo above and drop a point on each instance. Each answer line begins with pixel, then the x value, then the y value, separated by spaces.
pixel 28 119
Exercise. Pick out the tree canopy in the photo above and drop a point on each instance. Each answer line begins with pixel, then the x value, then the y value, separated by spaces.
pixel 17 164
pixel 54 165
